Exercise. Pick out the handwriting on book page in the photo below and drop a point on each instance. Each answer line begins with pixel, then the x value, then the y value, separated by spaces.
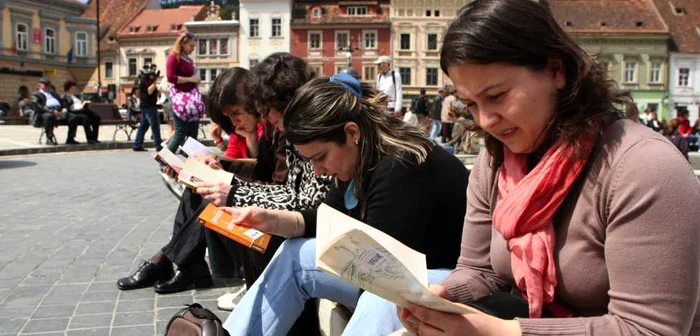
pixel 360 260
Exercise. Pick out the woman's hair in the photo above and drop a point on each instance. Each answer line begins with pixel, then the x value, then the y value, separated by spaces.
pixel 23 91
pixel 321 109
pixel 524 33
pixel 229 88
pixel 69 84
pixel 134 89
pixel 672 127
pixel 176 49
pixel 277 78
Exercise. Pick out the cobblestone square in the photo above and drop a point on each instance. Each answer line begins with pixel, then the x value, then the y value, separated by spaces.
pixel 71 224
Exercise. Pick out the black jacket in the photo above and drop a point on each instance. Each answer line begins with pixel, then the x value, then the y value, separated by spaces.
pixel 422 206
pixel 39 102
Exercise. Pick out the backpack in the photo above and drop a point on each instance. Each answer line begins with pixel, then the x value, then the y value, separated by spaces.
pixel 195 320
pixel 420 105
pixel 393 82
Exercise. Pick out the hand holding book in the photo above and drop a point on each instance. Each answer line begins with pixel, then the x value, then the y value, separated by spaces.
pixel 214 192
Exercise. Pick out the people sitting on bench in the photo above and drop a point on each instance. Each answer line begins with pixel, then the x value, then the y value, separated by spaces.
pixel 77 106
pixel 52 110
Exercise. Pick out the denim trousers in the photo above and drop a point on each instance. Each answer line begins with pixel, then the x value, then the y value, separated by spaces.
pixel 183 129
pixel 435 130
pixel 277 298
pixel 149 116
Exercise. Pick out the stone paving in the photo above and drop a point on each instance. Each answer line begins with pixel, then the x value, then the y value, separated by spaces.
pixel 70 226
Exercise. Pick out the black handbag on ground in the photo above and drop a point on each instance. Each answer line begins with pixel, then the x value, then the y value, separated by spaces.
pixel 195 320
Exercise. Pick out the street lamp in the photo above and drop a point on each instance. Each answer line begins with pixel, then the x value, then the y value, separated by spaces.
pixel 99 71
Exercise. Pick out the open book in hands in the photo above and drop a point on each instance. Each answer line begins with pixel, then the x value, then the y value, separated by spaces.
pixel 168 158
pixel 376 262
pixel 194 171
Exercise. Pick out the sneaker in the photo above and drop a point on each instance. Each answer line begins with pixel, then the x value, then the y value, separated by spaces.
pixel 175 188
pixel 139 149
pixel 229 301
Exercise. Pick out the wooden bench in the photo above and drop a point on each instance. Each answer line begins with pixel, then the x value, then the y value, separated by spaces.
pixel 110 116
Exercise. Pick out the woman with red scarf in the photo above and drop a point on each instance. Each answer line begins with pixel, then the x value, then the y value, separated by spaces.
pixel 559 219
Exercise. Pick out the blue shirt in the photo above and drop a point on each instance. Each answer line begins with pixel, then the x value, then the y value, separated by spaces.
pixel 51 101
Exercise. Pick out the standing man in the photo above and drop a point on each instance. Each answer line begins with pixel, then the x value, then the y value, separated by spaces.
pixel 389 83
pixel 435 113
pixel 149 112
pixel 447 116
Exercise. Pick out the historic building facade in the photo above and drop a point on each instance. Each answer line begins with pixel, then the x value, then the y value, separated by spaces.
pixel 329 33
pixel 46 38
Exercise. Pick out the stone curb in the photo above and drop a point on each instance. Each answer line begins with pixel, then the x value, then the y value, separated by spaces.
pixel 105 145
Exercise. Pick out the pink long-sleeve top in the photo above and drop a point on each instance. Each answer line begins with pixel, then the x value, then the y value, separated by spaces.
pixel 183 68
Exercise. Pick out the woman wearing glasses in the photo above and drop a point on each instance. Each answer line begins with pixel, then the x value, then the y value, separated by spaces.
pixel 187 102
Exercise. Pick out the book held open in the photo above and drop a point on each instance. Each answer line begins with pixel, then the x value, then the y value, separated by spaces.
pixel 376 262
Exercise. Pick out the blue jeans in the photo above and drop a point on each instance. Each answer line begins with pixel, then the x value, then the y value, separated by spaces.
pixel 275 301
pixel 149 116
pixel 183 129
pixel 435 130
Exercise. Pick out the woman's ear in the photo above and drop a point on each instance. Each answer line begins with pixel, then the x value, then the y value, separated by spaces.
pixel 352 131
pixel 556 69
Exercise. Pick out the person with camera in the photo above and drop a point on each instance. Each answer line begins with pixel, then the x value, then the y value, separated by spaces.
pixel 149 110
pixel 187 102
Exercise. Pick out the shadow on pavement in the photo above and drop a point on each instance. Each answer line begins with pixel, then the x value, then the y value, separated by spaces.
pixel 10 164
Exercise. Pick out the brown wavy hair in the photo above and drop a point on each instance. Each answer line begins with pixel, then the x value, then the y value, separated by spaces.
pixel 524 33
pixel 320 109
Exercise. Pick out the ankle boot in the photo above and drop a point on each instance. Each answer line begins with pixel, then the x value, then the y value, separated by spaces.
pixel 146 275
pixel 185 278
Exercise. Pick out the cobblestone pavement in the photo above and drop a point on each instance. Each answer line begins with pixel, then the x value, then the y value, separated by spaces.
pixel 70 226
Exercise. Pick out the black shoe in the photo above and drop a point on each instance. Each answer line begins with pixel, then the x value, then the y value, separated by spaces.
pixel 97 141
pixel 186 279
pixel 158 148
pixel 91 142
pixel 147 275
pixel 140 149
pixel 72 142
pixel 51 142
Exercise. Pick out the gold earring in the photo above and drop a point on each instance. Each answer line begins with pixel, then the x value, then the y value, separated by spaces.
pixel 357 142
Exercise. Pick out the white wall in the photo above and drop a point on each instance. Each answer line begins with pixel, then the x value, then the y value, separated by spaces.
pixel 686 96
pixel 260 47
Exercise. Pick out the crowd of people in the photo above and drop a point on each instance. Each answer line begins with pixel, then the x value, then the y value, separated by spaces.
pixel 552 232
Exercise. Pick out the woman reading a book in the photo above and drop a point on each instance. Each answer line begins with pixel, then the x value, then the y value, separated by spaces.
pixel 558 217
pixel 388 175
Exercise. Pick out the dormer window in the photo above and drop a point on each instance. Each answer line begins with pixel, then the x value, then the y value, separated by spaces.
pixel 316 12
pixel 173 27
pixel 677 10
pixel 357 10
pixel 134 29
pixel 149 28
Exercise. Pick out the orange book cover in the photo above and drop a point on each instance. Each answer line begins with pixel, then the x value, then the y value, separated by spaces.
pixel 222 222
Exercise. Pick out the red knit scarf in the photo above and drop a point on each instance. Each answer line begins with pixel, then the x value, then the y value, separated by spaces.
pixel 527 203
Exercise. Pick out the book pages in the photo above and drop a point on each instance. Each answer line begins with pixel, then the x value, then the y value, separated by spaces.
pixel 362 261
pixel 402 332
pixel 331 224
pixel 192 147
pixel 168 158
pixel 195 171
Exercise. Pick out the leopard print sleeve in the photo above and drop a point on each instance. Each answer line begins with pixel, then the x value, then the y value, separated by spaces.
pixel 303 189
